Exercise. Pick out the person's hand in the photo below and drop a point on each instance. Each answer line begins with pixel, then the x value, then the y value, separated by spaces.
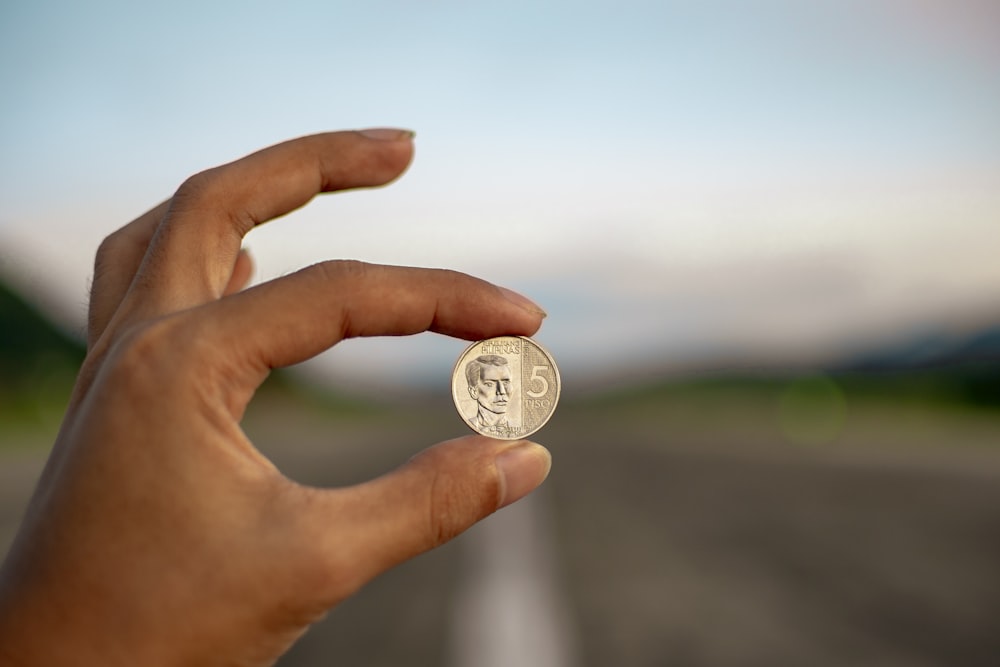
pixel 158 534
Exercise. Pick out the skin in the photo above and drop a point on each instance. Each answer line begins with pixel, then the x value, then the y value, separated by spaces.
pixel 492 392
pixel 158 534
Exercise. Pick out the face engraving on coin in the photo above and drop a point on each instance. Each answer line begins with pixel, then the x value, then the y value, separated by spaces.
pixel 505 387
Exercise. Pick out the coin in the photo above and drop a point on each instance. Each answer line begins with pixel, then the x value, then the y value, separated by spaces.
pixel 505 387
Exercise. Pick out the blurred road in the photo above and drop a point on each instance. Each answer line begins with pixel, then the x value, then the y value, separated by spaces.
pixel 687 535
pixel 751 553
pixel 509 607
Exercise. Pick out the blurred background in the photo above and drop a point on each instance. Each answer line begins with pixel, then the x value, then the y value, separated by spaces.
pixel 766 236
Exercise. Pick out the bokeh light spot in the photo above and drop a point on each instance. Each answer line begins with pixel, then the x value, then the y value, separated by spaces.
pixel 812 411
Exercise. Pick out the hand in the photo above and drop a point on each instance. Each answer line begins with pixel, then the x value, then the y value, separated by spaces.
pixel 158 534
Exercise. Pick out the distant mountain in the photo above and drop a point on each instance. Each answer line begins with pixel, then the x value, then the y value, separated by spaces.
pixel 28 339
pixel 38 361
pixel 982 347
pixel 963 368
pixel 933 351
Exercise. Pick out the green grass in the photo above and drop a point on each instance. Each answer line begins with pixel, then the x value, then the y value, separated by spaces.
pixel 898 409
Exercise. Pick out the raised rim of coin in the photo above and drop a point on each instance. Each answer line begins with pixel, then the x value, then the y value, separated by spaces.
pixel 538 388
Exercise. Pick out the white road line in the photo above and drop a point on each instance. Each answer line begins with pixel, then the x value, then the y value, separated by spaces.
pixel 508 609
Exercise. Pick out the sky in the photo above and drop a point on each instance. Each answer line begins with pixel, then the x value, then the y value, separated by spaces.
pixel 675 182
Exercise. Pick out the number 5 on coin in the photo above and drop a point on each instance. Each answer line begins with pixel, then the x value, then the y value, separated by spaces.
pixel 536 376
pixel 505 387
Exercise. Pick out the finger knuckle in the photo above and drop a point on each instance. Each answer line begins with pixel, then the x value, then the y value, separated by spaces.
pixel 198 186
pixel 210 194
pixel 172 353
pixel 109 247
pixel 344 270
pixel 144 359
pixel 113 247
pixel 442 526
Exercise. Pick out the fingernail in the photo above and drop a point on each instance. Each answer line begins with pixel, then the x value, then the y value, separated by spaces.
pixel 522 468
pixel 522 301
pixel 387 134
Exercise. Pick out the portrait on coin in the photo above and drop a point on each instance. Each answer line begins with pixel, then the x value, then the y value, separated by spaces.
pixel 494 388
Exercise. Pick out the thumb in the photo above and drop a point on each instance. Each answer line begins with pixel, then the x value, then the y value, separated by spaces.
pixel 437 495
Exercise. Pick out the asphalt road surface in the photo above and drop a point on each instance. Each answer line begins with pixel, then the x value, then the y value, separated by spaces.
pixel 679 535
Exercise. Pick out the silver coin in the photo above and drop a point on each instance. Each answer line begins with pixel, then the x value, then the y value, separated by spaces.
pixel 505 387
